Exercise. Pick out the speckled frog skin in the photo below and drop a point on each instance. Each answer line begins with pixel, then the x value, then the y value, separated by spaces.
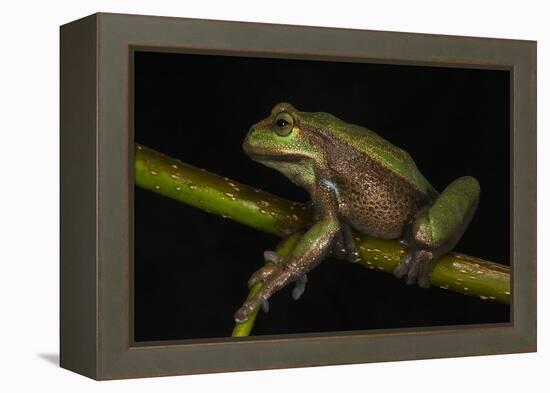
pixel 356 180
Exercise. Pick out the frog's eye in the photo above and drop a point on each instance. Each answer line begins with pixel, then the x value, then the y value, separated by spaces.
pixel 283 124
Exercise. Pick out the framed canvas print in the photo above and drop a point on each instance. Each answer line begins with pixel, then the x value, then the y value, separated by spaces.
pixel 240 196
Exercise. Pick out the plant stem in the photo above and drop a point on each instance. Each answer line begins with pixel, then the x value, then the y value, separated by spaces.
pixel 219 195
pixel 185 183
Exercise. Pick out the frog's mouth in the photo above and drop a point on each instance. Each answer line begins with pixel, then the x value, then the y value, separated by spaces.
pixel 266 157
pixel 259 154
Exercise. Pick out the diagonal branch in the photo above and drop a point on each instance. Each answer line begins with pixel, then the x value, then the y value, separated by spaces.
pixel 172 178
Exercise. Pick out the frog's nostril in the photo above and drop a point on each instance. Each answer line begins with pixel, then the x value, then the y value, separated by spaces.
pixel 246 142
pixel 249 134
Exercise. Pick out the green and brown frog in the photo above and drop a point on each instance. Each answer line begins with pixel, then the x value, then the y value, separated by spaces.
pixel 356 180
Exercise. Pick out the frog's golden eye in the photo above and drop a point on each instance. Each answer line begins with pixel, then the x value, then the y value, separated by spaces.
pixel 283 124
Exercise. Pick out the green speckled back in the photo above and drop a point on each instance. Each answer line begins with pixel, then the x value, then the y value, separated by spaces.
pixel 390 156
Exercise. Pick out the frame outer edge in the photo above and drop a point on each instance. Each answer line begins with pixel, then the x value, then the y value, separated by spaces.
pixel 118 357
pixel 525 198
pixel 78 197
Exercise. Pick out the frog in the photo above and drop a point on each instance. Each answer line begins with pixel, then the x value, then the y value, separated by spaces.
pixel 357 181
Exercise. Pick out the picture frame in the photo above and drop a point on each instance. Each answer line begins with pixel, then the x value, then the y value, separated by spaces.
pixel 97 178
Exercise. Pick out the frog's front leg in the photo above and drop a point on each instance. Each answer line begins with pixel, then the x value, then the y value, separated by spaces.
pixel 437 229
pixel 312 248
pixel 344 245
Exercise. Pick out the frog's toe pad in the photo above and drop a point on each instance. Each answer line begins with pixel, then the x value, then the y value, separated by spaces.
pixel 415 267
pixel 271 256
pixel 262 274
pixel 300 287
pixel 354 256
pixel 244 312
pixel 403 267
pixel 339 252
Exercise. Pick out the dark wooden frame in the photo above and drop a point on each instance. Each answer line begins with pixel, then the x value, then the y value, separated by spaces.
pixel 97 179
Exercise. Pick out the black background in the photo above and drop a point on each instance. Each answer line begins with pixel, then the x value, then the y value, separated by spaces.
pixel 191 267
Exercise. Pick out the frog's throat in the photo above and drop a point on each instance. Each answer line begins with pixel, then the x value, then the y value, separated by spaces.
pixel 299 171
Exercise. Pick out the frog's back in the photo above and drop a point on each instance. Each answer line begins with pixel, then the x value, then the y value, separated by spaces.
pixel 372 145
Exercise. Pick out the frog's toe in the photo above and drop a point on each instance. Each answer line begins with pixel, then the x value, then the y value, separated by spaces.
pixel 338 249
pixel 350 254
pixel 403 267
pixel 424 273
pixel 244 312
pixel 405 242
pixel 344 247
pixel 354 256
pixel 300 287
pixel 339 253
pixel 261 275
pixel 415 267
pixel 412 274
pixel 265 306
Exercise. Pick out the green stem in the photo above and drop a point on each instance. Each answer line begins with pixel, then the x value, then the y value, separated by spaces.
pixel 219 195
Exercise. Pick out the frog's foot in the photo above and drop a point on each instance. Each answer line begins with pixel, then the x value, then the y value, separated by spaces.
pixel 268 271
pixel 415 266
pixel 262 274
pixel 350 254
pixel 275 282
pixel 271 267
pixel 353 254
pixel 344 247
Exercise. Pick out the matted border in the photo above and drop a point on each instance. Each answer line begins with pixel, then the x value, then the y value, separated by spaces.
pixel 97 181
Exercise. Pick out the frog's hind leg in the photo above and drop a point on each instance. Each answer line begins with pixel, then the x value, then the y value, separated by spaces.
pixel 437 229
